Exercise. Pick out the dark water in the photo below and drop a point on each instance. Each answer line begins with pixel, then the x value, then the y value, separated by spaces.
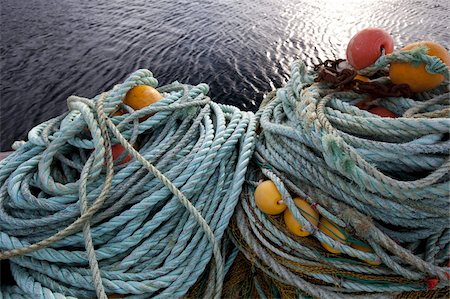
pixel 242 49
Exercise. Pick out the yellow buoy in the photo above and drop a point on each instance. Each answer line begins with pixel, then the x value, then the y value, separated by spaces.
pixel 307 211
pixel 330 229
pixel 267 198
pixel 417 77
pixel 366 248
pixel 141 96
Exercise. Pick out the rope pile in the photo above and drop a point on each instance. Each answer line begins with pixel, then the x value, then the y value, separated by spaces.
pixel 75 223
pixel 383 181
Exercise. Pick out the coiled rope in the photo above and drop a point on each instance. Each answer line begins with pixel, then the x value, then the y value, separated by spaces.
pixel 384 180
pixel 75 223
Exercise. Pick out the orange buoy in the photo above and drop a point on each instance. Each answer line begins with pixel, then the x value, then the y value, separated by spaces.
pixel 117 150
pixel 330 229
pixel 383 112
pixel 267 198
pixel 367 45
pixel 365 248
pixel 307 211
pixel 417 77
pixel 141 96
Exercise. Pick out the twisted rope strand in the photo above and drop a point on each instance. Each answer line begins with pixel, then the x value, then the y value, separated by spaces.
pixel 148 227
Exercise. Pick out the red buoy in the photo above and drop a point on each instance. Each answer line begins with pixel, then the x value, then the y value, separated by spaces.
pixel 367 46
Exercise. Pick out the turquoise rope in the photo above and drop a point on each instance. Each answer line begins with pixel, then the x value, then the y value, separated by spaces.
pixel 74 223
pixel 359 170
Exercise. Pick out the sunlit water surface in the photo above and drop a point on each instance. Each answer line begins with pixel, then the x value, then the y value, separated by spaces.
pixel 243 49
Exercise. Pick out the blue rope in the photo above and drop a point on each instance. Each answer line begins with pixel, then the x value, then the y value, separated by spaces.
pixel 74 223
pixel 361 172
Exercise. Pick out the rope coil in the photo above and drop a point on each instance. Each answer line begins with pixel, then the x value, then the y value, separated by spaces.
pixel 383 181
pixel 75 223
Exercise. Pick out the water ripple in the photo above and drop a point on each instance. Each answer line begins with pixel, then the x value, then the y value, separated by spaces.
pixel 52 49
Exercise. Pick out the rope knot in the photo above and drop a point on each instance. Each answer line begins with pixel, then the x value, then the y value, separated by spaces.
pixel 204 88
